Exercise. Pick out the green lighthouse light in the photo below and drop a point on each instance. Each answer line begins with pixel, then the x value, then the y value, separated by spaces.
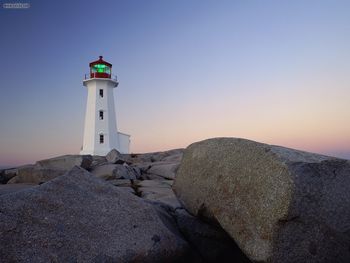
pixel 101 68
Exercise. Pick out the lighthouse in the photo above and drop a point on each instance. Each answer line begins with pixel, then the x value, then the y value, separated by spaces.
pixel 100 130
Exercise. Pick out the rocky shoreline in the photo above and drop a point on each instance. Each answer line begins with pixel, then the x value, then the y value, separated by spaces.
pixel 219 200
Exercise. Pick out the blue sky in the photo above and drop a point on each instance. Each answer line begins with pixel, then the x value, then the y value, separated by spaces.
pixel 271 71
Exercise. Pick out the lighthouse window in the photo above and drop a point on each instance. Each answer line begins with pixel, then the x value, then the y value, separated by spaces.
pixel 101 138
pixel 100 68
pixel 101 115
pixel 101 93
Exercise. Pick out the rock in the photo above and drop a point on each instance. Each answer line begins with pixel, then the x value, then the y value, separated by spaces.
pixel 135 170
pixel 115 157
pixel 7 174
pixel 127 189
pixel 158 191
pixel 143 167
pixel 164 169
pixel 158 165
pixel 278 204
pixel 173 158
pixel 120 182
pixel 127 172
pixel 80 218
pixel 98 160
pixel 115 171
pixel 153 157
pixel 106 172
pixel 10 188
pixel 34 174
pixel 66 162
pixel 154 177
pixel 212 242
pixel 154 183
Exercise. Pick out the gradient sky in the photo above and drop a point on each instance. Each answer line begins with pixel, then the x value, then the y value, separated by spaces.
pixel 272 71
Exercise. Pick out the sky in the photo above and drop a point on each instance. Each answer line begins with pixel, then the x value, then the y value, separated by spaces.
pixel 271 71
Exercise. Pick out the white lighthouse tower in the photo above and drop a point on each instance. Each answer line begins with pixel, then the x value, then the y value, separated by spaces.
pixel 100 131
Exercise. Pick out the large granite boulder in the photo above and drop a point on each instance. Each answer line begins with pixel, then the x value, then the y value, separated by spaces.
pixel 66 162
pixel 278 204
pixel 78 217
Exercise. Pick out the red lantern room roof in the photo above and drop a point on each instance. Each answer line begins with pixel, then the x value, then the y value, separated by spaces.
pixel 100 61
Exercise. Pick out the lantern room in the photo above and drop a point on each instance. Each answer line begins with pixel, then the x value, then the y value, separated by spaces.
pixel 100 69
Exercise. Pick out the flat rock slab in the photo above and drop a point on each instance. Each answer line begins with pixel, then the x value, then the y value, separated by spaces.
pixel 164 169
pixel 35 174
pixel 80 218
pixel 278 204
pixel 66 162
pixel 158 191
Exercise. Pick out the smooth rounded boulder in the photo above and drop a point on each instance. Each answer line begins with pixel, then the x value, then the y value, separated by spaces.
pixel 278 204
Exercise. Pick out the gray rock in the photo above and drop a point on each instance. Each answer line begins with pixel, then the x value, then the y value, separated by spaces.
pixel 154 177
pixel 115 157
pixel 153 157
pixel 143 167
pixel 164 169
pixel 7 174
pixel 80 218
pixel 279 204
pixel 153 183
pixel 136 170
pixel 127 172
pixel 120 182
pixel 106 171
pixel 11 188
pixel 66 162
pixel 211 241
pixel 98 160
pixel 35 174
pixel 127 189
pixel 115 171
pixel 158 191
pixel 173 158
